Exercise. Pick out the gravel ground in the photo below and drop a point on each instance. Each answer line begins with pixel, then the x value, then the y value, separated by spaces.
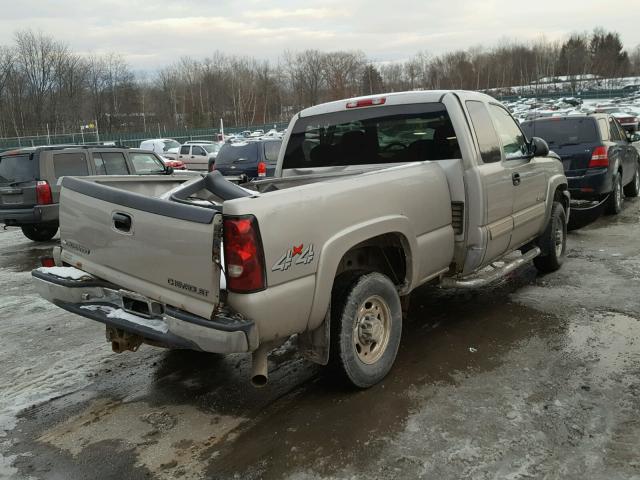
pixel 535 377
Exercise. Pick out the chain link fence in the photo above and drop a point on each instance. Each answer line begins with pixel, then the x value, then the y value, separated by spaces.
pixel 128 139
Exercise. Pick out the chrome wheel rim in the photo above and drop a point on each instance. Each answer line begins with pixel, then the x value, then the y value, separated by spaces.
pixel 372 329
pixel 559 239
pixel 618 193
pixel 637 180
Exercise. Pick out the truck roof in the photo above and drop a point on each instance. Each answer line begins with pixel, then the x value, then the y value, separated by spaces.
pixel 394 98
pixel 41 148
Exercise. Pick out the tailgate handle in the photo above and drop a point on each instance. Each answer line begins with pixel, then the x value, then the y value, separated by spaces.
pixel 121 222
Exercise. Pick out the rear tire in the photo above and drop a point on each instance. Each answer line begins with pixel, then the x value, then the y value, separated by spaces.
pixel 366 326
pixel 39 232
pixel 616 197
pixel 553 241
pixel 633 189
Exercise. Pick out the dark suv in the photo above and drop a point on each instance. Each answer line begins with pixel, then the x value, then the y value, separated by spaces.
pixel 252 159
pixel 29 188
pixel 597 156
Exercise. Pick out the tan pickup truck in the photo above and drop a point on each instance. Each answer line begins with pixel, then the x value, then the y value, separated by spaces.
pixel 372 197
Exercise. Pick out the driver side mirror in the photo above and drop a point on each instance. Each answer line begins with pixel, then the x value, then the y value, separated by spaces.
pixel 168 170
pixel 539 148
pixel 633 137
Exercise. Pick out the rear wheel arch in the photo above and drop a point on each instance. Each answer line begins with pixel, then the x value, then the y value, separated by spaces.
pixel 354 261
pixel 386 254
pixel 334 250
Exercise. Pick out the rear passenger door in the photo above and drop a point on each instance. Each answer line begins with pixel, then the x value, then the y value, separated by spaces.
pixel 199 158
pixel 528 179
pixel 67 164
pixel 627 151
pixel 110 163
pixel 184 153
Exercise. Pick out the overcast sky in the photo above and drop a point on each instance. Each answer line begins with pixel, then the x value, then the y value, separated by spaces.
pixel 154 33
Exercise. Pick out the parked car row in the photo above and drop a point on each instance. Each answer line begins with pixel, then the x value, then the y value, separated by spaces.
pixel 249 159
pixel 29 189
pixel 597 154
pixel 625 109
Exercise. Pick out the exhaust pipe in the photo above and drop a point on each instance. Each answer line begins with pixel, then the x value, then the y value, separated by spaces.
pixel 259 373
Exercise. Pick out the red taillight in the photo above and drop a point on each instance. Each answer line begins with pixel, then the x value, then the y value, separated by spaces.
pixel 243 256
pixel 43 193
pixel 262 169
pixel 47 262
pixel 599 157
pixel 366 102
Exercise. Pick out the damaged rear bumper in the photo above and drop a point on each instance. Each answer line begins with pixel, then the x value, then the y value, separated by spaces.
pixel 166 326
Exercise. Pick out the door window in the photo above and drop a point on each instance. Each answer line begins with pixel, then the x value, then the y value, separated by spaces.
pixel 483 127
pixel 197 150
pixel 70 164
pixel 184 150
pixel 614 133
pixel 99 164
pixel 113 163
pixel 604 129
pixel 513 140
pixel 621 132
pixel 146 163
pixel 271 151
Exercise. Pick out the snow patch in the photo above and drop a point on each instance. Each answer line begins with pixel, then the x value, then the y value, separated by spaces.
pixel 65 272
pixel 157 325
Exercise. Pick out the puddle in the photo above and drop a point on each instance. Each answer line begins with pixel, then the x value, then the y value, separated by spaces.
pixel 608 342
pixel 167 441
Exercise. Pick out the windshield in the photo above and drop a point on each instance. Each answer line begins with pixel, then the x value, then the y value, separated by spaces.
pixel 212 148
pixel 17 169
pixel 168 144
pixel 563 131
pixel 390 134
pixel 238 153
pixel 144 163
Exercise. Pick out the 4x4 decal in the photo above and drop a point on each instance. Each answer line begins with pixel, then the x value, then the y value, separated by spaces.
pixel 296 255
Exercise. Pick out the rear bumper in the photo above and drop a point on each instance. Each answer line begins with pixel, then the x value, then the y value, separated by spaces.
pixel 25 216
pixel 590 186
pixel 97 300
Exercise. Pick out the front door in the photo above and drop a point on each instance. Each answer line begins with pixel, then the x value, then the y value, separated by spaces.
pixel 496 182
pixel 528 179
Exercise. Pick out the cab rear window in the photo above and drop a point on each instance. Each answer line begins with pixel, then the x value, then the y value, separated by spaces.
pixel 388 134
pixel 18 169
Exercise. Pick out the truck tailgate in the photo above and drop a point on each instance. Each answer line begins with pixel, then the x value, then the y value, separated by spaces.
pixel 155 247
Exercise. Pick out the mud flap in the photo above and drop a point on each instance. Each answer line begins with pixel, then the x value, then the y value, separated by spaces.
pixel 314 344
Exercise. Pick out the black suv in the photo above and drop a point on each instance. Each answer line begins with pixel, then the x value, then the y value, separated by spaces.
pixel 596 153
pixel 29 189
pixel 251 159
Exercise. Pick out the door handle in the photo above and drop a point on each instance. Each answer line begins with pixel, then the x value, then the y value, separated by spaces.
pixel 122 222
pixel 515 178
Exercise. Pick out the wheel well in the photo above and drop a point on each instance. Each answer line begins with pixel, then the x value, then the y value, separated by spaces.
pixel 558 196
pixel 385 254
